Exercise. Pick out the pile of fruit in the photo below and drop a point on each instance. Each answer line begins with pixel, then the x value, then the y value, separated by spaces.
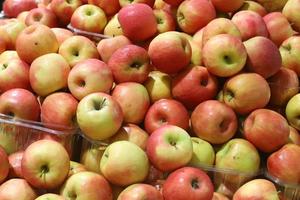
pixel 173 99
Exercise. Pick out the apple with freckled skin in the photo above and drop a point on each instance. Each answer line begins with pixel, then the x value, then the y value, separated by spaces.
pixel 165 21
pixel 294 136
pixel 254 94
pixel 266 138
pixel 140 191
pixel 41 16
pixel 263 56
pixel 39 71
pixel 64 9
pixel 283 164
pixel 61 34
pixel 78 48
pixel 25 191
pixel 14 74
pixel 133 99
pixel 106 47
pixel 186 87
pixel 110 7
pixel 255 7
pixel 162 113
pixel 50 196
pixel 289 51
pixel 38 40
pixel 89 76
pixel 130 63
pixel 193 15
pixel 12 8
pixel 170 52
pixel 169 147
pixel 15 162
pixel 218 125
pixel 250 24
pixel 279 27
pixel 4 165
pixel 137 30
pixel 284 85
pixel 227 6
pixel 20 103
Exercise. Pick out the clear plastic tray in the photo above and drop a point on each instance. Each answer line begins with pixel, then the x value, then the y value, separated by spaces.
pixel 93 36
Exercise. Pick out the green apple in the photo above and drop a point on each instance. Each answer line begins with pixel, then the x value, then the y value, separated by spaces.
pixel 203 153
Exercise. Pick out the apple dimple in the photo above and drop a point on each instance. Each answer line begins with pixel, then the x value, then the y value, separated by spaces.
pixel 44 170
pixel 98 105
pixel 224 125
pixel 136 65
pixel 81 83
pixel 89 12
pixel 75 52
pixel 229 95
pixel 227 59
pixel 195 184
pixel 204 82
pixel 37 17
pixel 287 47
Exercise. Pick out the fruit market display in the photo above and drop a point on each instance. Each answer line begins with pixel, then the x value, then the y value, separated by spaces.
pixel 150 99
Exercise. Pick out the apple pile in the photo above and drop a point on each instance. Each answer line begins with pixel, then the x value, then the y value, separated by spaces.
pixel 175 89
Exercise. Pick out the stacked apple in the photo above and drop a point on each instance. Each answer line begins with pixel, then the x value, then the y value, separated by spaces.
pixel 171 87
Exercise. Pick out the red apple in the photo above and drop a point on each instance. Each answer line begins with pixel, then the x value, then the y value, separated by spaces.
pixel 15 164
pixel 35 41
pixel 4 165
pixel 174 3
pixel 61 34
pixel 20 103
pixel 130 63
pixel 186 87
pixel 214 122
pixel 110 7
pixel 12 8
pixel 250 24
pixel 137 21
pixel 133 99
pixel 188 183
pixel 89 76
pixel 41 16
pixel 284 164
pixel 162 113
pixel 14 74
pixel 24 190
pixel 266 138
pixel 227 6
pixel 140 191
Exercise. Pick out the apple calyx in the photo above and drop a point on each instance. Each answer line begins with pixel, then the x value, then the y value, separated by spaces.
pixel 180 17
pixel 98 105
pixel 287 47
pixel 229 95
pixel 195 184
pixel 44 170
pixel 136 65
pixel 4 66
pixel 227 60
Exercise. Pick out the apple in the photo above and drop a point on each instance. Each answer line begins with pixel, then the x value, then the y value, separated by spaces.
pixel 290 12
pixel 283 164
pixel 14 74
pixel 22 16
pixel 8 138
pixel 99 116
pixel 266 138
pixel 198 37
pixel 12 8
pixel 193 86
pixel 193 15
pixel 58 111
pixel 284 85
pixel 165 21
pixel 254 94
pixel 61 34
pixel 78 48
pixel 127 155
pixel 227 6
pixel 279 27
pixel 75 168
pixel 250 24
pixel 203 153
pixel 91 157
pixel 106 47
pixel 289 53
pixel 8 55
pixel 24 190
pixel 272 6
pixel 294 136
pixel 263 56
pixel 188 183
pixel 39 71
pixel 110 7
pixel 257 189
pixel 125 3
pixel 4 40
pixel 219 196
pixel 224 55
pixel 214 122
pixel 13 28
pixel 140 191
pixel 89 18
pixel 216 27
pixel 15 165
pixel 130 63
pixel 50 196
pixel 169 147
pixel 255 7
pixel 133 99
pixel 173 3
pixel 158 85
pixel 113 27
pixel 43 168
pixel 34 41
pixel 131 133
pixel 89 76
pixel 170 52
pixel 292 111
pixel 41 16
pixel 86 186
pixel 64 9
pixel 137 21
pixel 19 103
pixel 4 165
pixel 162 113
